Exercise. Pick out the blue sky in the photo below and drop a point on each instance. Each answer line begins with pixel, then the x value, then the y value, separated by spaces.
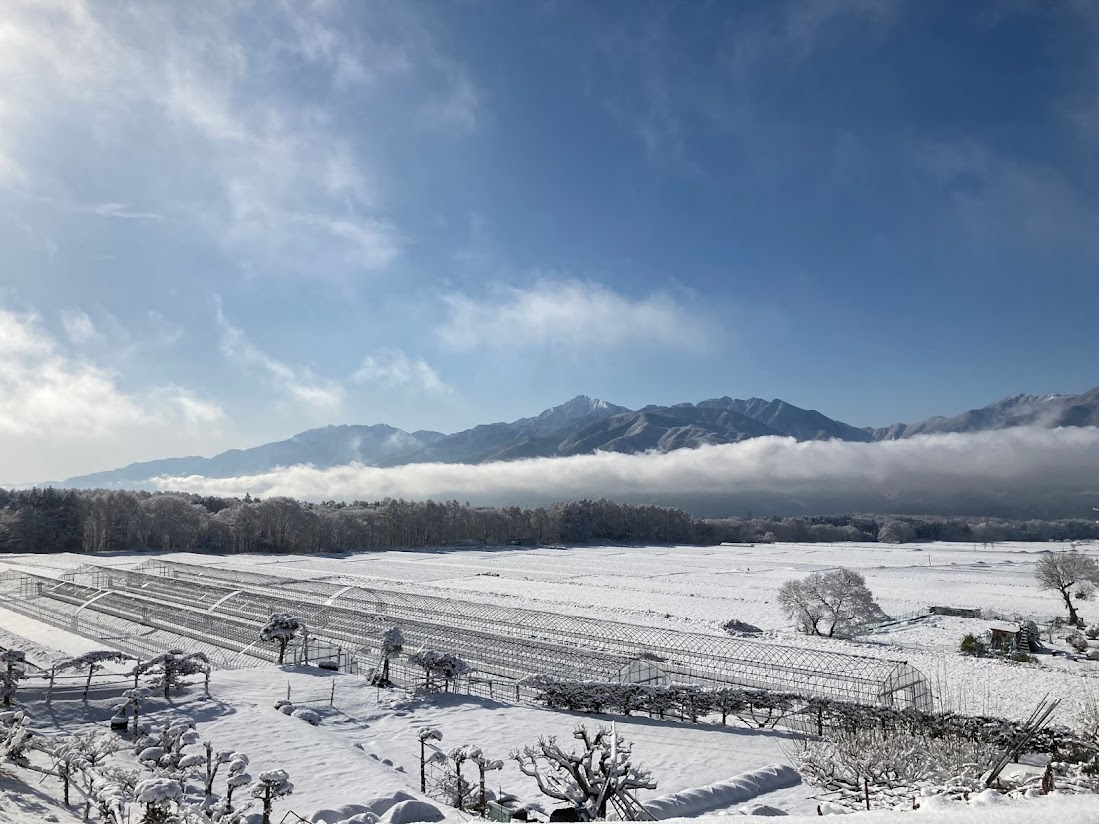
pixel 224 223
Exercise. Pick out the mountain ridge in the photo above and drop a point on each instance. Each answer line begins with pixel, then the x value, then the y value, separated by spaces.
pixel 584 425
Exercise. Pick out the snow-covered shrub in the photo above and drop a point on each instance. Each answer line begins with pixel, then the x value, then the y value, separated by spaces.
pixel 308 716
pixel 972 645
pixel 281 629
pixel 158 794
pixel 169 670
pixel 1092 632
pixel 1077 641
pixel 891 762
pixel 587 779
pixel 285 707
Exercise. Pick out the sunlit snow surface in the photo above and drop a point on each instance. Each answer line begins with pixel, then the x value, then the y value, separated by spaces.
pixel 698 588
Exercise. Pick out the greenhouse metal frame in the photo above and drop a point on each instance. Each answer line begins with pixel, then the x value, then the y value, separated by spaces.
pixel 505 645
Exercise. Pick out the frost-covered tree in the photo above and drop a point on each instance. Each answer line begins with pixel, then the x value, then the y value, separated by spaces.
pixel 392 646
pixel 281 629
pixel 829 603
pixel 439 666
pixel 587 779
pixel 77 754
pixel 169 670
pixel 896 532
pixel 13 669
pixel 1066 572
pixel 272 785
pixel 93 662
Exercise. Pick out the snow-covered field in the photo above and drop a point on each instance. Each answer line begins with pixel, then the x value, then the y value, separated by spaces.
pixel 343 761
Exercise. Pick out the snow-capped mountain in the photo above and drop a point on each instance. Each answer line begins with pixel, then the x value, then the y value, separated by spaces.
pixel 585 425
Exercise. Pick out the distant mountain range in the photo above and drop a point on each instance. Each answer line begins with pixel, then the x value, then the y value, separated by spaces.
pixel 585 425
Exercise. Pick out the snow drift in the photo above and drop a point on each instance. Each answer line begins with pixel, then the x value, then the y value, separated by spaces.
pixel 736 790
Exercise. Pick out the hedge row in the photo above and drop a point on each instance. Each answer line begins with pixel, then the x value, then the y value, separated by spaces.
pixel 767 708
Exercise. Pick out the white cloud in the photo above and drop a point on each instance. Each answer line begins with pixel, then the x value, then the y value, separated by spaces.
pixel 394 368
pixel 269 175
pixel 1021 466
pixel 296 381
pixel 569 314
pixel 79 328
pixel 54 409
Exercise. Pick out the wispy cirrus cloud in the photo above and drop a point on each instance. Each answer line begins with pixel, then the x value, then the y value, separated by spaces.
pixel 273 178
pixel 569 314
pixel 298 383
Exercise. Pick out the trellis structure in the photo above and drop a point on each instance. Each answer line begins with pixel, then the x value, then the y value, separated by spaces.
pixel 510 644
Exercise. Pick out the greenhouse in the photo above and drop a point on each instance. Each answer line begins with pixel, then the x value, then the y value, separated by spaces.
pixel 346 618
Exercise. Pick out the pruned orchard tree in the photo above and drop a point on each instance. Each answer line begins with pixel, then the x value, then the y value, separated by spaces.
pixel 282 629
pixel 587 779
pixel 272 785
pixel 169 670
pixel 1068 573
pixel 93 662
pixel 392 646
pixel 831 603
pixel 439 666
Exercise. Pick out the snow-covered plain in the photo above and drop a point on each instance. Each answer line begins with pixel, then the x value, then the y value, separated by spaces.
pixel 342 761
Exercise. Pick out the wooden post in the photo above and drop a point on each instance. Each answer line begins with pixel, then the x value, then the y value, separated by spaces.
pixel 288 690
pixel 866 791
pixel 332 697
pixel 137 666
pixel 49 689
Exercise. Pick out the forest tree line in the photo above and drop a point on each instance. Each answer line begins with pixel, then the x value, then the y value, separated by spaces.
pixel 67 520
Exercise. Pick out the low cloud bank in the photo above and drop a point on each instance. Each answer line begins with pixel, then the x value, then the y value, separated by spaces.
pixel 1023 472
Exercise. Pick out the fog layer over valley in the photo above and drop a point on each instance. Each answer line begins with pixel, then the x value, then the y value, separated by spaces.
pixel 1020 472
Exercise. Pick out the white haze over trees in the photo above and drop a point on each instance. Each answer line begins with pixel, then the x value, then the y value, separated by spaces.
pixel 1022 467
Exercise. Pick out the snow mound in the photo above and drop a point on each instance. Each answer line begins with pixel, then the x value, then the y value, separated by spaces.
pixel 307 715
pixel 375 807
pixel 407 812
pixel 736 790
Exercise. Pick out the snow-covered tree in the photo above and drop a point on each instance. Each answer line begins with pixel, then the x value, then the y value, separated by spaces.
pixel 132 702
pixel 14 736
pixel 169 670
pixel 484 765
pixel 392 646
pixel 587 779
pixel 829 603
pixel 425 735
pixel 1065 572
pixel 93 661
pixel 237 776
pixel 439 665
pixel 158 794
pixel 77 754
pixel 272 785
pixel 281 629
pixel 13 669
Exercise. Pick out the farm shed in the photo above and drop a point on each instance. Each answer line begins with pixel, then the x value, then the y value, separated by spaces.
pixel 226 607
